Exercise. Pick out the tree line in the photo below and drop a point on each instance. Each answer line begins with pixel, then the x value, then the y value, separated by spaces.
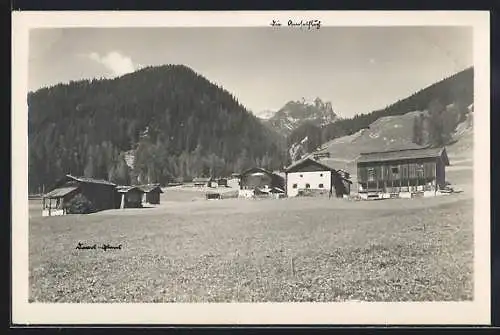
pixel 435 126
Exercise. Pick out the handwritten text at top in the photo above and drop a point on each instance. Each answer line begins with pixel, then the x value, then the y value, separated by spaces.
pixel 302 24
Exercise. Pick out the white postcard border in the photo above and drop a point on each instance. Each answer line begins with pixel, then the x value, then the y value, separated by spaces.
pixel 475 312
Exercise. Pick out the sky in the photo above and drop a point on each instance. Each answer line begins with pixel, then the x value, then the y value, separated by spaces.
pixel 357 69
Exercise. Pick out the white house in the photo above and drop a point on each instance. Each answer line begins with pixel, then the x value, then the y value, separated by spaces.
pixel 311 175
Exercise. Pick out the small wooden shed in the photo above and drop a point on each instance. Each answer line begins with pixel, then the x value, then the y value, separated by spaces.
pixel 222 182
pixel 129 196
pixel 202 181
pixel 54 202
pixel 100 193
pixel 151 193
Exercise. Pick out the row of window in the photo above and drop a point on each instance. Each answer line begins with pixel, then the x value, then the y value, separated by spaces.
pixel 394 170
pixel 309 186
pixel 321 175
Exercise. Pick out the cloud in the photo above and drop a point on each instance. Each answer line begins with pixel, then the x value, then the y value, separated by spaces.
pixel 117 63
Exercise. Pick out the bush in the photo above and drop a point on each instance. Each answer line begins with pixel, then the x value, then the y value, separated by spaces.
pixel 80 205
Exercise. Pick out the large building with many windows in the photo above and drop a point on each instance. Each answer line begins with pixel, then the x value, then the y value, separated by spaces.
pixel 401 172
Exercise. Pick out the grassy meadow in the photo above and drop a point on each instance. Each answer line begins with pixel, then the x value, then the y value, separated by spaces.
pixel 188 249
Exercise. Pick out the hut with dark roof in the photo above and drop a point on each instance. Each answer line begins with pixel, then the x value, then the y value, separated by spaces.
pixel 99 193
pixel 203 181
pixel 151 194
pixel 129 197
pixel 404 173
pixel 259 181
pixel 222 182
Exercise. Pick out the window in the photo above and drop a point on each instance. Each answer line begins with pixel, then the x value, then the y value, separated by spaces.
pixel 371 174
pixel 395 169
pixel 320 186
pixel 301 176
pixel 294 186
pixel 321 175
pixel 420 169
pixel 308 186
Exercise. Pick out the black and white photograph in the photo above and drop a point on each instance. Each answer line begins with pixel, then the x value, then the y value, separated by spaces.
pixel 308 161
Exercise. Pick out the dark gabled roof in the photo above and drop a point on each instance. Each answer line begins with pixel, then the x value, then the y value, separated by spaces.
pixel 60 192
pixel 404 154
pixel 308 160
pixel 127 188
pixel 150 188
pixel 90 180
pixel 327 165
pixel 273 175
pixel 255 169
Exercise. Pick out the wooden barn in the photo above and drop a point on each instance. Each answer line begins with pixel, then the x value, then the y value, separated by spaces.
pixel 100 193
pixel 203 182
pixel 55 202
pixel 402 173
pixel 222 182
pixel 312 176
pixel 129 197
pixel 151 194
pixel 260 180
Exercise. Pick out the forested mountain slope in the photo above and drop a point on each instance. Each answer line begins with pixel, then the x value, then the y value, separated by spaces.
pixel 175 123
